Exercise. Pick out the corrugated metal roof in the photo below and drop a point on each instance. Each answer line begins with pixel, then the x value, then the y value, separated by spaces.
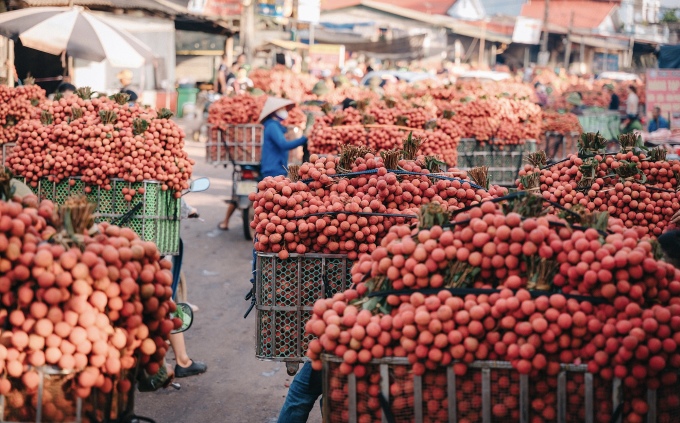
pixel 587 14
pixel 149 5
pixel 433 7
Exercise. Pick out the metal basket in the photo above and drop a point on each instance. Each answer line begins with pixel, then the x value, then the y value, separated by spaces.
pixel 558 146
pixel 216 150
pixel 245 146
pixel 154 215
pixel 490 391
pixel 504 162
pixel 286 291
pixel 55 400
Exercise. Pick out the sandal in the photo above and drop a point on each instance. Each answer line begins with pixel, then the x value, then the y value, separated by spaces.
pixel 222 227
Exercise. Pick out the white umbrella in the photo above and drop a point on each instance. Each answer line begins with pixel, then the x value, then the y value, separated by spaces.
pixel 75 31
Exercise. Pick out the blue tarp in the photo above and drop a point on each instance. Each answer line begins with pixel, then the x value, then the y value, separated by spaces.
pixel 669 57
pixel 345 26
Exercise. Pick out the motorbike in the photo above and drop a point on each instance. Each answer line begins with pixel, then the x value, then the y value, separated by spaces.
pixel 244 182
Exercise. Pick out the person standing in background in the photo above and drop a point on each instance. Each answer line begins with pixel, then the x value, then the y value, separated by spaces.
pixel 125 78
pixel 614 101
pixel 657 122
pixel 541 94
pixel 632 102
pixel 222 73
pixel 226 73
pixel 241 82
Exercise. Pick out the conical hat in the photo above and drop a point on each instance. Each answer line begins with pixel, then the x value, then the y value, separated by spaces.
pixel 273 104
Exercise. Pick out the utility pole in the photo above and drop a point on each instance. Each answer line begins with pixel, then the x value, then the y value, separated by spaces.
pixel 544 55
pixel 247 28
pixel 567 52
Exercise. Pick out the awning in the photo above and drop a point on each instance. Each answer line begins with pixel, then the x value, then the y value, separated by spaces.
pixel 608 43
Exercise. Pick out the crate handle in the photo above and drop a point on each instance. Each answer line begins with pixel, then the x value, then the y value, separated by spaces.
pixel 616 416
pixel 385 406
pixel 326 287
pixel 124 219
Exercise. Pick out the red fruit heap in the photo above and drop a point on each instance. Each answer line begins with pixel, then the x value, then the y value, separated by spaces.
pixel 628 328
pixel 381 129
pixel 563 123
pixel 637 187
pixel 16 106
pixel 99 139
pixel 282 82
pixel 95 306
pixel 243 109
pixel 322 215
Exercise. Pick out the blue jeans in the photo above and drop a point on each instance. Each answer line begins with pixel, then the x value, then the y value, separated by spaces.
pixel 303 392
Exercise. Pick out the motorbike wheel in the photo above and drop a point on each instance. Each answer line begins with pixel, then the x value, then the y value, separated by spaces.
pixel 248 215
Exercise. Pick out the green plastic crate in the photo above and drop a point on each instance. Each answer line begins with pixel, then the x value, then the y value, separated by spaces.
pixel 157 220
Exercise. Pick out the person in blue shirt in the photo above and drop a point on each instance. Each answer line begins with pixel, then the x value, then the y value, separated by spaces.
pixel 657 122
pixel 275 147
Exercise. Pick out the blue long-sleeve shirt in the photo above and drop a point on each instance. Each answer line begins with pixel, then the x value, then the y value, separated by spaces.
pixel 275 148
pixel 662 123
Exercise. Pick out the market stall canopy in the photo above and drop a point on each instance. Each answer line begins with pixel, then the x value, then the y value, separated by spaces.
pixel 175 10
pixel 80 34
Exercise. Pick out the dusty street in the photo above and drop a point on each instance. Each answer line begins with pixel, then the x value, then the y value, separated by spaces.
pixel 237 387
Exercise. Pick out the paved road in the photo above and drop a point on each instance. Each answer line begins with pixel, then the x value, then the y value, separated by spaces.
pixel 237 387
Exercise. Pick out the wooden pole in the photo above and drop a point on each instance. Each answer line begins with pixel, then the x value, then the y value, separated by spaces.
pixel 546 13
pixel 10 63
pixel 567 52
pixel 229 49
pixel 482 42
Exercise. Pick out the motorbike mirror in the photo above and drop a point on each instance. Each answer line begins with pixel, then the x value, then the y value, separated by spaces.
pixel 185 315
pixel 200 184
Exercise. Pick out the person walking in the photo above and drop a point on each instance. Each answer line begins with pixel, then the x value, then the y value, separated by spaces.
pixel 614 101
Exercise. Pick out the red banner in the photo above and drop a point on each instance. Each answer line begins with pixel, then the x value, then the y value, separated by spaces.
pixel 663 91
pixel 221 8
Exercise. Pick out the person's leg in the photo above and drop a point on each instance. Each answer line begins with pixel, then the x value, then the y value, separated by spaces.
pixel 303 392
pixel 185 365
pixel 224 225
